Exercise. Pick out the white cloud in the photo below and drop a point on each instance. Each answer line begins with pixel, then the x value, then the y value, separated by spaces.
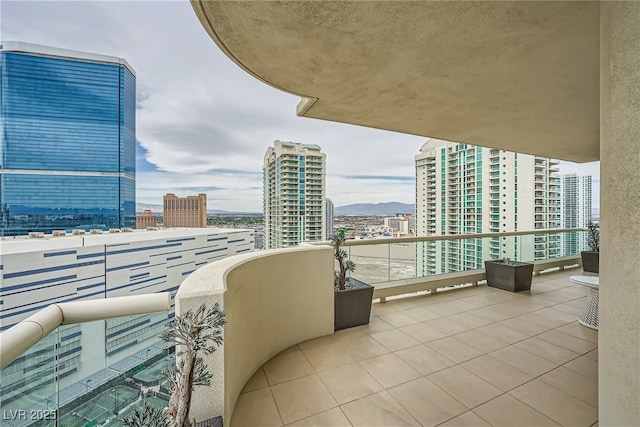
pixel 200 114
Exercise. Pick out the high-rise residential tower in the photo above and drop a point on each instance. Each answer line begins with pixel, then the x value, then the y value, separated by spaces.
pixel 190 211
pixel 576 210
pixel 464 189
pixel 294 194
pixel 68 140
pixel 329 214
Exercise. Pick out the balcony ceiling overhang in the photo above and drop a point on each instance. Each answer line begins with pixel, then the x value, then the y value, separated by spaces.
pixel 520 76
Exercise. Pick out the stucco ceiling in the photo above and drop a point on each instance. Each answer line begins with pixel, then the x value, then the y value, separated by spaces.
pixel 520 76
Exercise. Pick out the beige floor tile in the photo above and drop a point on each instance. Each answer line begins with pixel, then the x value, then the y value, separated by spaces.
pixel 538 319
pixel 302 398
pixel 544 349
pixel 454 349
pixel 451 307
pixel 585 366
pixel 395 339
pixel 389 370
pixel 567 341
pixel 593 354
pixel 506 411
pixel 427 402
pixel 480 341
pixel 570 309
pixel 290 349
pixel 379 409
pixel 349 382
pixel 379 308
pixel 465 386
pixel 498 373
pixel 468 419
pixel 526 328
pixel 398 319
pixel 287 366
pixel 576 330
pixel 256 408
pixel 257 381
pixel 489 314
pixel 523 360
pixel 447 326
pixel 556 404
pixel 424 360
pixel 573 383
pixel 349 334
pixel 331 418
pixel 327 356
pixel 364 347
pixel 470 320
pixel 422 314
pixel 503 333
pixel 423 332
pixel 557 314
pixel 327 339
pixel 375 325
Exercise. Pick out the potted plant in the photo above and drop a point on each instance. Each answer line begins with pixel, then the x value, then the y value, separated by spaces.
pixel 352 298
pixel 509 275
pixel 591 258
pixel 193 332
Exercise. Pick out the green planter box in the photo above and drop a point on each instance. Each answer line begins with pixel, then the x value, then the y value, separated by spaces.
pixel 513 277
pixel 352 307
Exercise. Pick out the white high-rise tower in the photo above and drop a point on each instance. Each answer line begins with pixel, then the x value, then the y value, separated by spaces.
pixel 576 211
pixel 294 194
pixel 465 189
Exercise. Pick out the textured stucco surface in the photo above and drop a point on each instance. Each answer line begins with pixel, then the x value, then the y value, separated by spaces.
pixel 619 335
pixel 273 299
pixel 521 76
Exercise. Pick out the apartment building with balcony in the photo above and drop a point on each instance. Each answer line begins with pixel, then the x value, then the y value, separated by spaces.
pixel 68 140
pixel 190 211
pixel 466 189
pixel 576 203
pixel 294 194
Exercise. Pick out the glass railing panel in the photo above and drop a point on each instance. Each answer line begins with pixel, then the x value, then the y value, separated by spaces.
pixel 28 387
pixel 88 374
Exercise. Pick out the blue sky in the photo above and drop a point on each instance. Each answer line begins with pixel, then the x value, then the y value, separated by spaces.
pixel 203 124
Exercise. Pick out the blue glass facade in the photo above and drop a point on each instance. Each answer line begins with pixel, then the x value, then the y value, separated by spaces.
pixel 67 147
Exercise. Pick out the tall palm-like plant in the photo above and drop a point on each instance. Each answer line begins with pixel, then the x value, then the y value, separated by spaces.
pixel 194 332
pixel 344 264
pixel 197 331
pixel 593 236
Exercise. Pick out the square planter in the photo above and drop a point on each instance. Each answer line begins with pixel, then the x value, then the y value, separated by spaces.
pixel 352 307
pixel 514 277
pixel 590 261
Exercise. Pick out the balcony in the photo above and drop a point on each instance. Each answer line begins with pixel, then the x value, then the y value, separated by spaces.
pixel 476 355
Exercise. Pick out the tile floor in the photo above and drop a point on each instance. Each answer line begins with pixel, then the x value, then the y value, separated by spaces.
pixel 472 357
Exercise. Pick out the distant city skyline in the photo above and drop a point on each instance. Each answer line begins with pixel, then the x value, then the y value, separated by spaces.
pixel 203 123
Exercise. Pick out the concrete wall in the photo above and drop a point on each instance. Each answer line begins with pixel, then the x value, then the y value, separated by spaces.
pixel 273 299
pixel 619 337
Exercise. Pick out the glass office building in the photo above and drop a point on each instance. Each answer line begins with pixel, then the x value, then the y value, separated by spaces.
pixel 67 147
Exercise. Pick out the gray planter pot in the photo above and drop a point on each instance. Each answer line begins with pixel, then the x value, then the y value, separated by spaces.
pixel 590 261
pixel 352 307
pixel 514 277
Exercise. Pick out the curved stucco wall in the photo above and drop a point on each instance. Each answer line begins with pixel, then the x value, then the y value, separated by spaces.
pixel 273 299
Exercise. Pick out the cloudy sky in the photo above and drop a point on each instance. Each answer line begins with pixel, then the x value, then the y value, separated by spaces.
pixel 203 124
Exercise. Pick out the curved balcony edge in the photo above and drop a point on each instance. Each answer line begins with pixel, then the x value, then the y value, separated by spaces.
pixel 273 299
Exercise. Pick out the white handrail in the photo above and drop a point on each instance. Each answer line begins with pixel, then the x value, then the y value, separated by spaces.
pixel 22 336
